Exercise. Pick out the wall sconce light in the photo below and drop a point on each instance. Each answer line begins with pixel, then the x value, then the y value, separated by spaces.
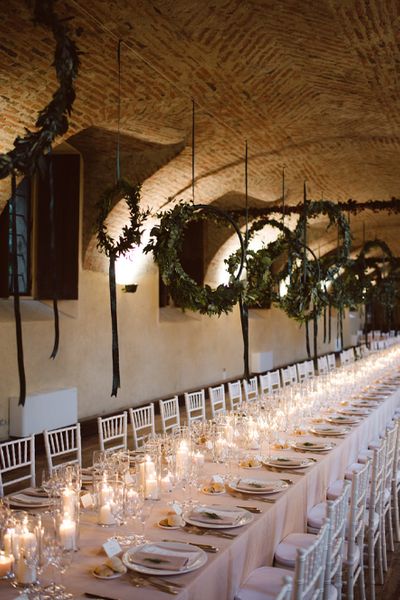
pixel 130 288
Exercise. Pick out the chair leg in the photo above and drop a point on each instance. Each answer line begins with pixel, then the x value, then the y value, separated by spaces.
pixel 371 565
pixel 383 544
pixel 391 542
pixel 350 584
pixel 396 513
pixel 380 562
pixel 361 579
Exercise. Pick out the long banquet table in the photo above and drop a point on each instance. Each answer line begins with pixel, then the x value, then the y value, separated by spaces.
pixel 255 543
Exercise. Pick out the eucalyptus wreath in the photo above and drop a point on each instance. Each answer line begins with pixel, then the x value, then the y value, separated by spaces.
pixel 52 121
pixel 166 245
pixel 131 235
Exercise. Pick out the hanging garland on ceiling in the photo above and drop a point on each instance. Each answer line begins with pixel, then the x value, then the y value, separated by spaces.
pixel 30 150
pixel 166 245
pixel 129 238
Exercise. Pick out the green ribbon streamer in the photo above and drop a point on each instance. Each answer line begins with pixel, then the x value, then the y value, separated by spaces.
pixel 17 307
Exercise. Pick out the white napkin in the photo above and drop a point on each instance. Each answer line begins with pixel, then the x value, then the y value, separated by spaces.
pixel 217 516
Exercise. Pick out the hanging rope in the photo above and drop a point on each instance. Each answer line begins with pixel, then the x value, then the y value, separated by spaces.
pixel 118 154
pixel 193 146
pixel 244 310
pixel 52 208
pixel 283 195
pixel 15 284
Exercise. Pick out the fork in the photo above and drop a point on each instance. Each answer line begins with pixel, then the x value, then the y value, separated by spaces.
pixel 201 531
pixel 169 588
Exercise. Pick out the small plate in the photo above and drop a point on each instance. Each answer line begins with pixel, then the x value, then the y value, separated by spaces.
pixel 245 519
pixel 274 486
pixel 160 524
pixel 114 576
pixel 206 491
pixel 312 447
pixel 242 465
pixel 199 558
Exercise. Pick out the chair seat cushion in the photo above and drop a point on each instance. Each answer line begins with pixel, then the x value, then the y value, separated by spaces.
pixel 374 444
pixel 285 554
pixel 353 468
pixel 335 489
pixel 364 456
pixel 316 515
pixel 351 562
pixel 263 583
pixel 375 521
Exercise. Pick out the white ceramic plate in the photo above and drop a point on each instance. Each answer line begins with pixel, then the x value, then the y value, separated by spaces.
pixel 270 487
pixel 283 462
pixel 329 430
pixel 244 520
pixel 21 500
pixel 114 576
pixel 313 446
pixel 198 557
pixel 342 419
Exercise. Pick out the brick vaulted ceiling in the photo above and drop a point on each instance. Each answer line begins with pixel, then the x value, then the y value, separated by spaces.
pixel 311 85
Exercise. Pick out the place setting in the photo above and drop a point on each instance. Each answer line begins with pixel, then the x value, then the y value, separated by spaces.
pixel 325 430
pixel 313 447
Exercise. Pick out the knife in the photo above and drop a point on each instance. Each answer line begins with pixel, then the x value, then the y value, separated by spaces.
pixel 205 547
pixel 98 596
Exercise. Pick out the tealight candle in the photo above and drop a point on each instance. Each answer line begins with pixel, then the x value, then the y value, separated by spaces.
pixel 6 562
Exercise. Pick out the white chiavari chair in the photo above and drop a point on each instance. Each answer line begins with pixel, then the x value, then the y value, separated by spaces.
pixel 331 362
pixel 396 484
pixel 265 385
pixel 195 403
pixel 308 579
pixel 113 432
pixel 250 389
pixel 63 446
pixel 301 371
pixel 286 377
pixel 322 365
pixel 391 438
pixel 353 561
pixel 17 462
pixel 235 394
pixel 217 400
pixel 285 554
pixel 170 414
pixel 275 381
pixel 143 424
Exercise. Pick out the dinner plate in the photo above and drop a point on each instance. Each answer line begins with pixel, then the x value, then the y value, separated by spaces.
pixel 246 518
pixel 354 411
pixel 313 446
pixel 20 500
pixel 342 419
pixel 330 431
pixel 269 487
pixel 115 575
pixel 198 557
pixel 283 462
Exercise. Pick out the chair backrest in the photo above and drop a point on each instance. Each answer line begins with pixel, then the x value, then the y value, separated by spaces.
pixel 293 373
pixel 301 371
pixel 250 389
pixel 331 358
pixel 377 485
pixel 16 458
pixel 143 424
pixel 195 403
pixel 310 371
pixel 391 438
pixel 358 503
pixel 63 446
pixel 322 365
pixel 286 590
pixel 170 415
pixel 343 358
pixel 337 514
pixel 217 400
pixel 235 394
pixel 275 381
pixel 265 385
pixel 286 377
pixel 309 571
pixel 113 432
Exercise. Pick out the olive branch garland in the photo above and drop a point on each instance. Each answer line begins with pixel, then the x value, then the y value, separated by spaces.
pixel 166 245
pixel 28 153
pixel 129 238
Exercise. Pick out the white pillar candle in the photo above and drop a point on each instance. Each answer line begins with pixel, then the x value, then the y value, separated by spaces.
pixel 6 561
pixel 106 494
pixel 27 541
pixel 166 483
pixel 11 542
pixel 105 515
pixel 198 458
pixel 24 573
pixel 69 501
pixel 67 533
pixel 182 458
pixel 151 488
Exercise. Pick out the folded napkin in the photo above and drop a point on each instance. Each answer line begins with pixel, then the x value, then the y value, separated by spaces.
pixel 254 485
pixel 35 492
pixel 167 561
pixel 216 516
pixel 27 499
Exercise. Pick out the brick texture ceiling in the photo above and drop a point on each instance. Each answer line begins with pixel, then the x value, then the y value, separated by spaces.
pixel 313 86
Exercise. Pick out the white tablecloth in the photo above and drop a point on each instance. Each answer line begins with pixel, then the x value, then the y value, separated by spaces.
pixel 254 545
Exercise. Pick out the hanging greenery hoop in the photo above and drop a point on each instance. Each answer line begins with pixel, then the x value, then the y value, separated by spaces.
pixel 52 121
pixel 166 245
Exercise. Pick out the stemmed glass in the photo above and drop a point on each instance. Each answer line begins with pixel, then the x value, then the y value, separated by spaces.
pixel 143 514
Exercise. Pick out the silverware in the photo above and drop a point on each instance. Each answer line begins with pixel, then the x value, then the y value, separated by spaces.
pixel 98 596
pixel 259 498
pixel 275 470
pixel 139 581
pixel 205 547
pixel 252 509
pixel 215 532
